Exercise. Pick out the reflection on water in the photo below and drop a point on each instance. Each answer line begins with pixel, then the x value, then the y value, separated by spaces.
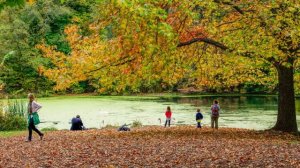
pixel 254 112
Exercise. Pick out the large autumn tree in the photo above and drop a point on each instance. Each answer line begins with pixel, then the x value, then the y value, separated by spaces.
pixel 143 41
pixel 268 30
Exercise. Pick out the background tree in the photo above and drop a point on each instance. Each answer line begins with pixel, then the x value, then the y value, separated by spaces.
pixel 134 48
pixel 141 41
pixel 11 3
pixel 22 29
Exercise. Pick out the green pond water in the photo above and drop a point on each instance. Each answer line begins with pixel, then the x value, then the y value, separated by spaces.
pixel 253 112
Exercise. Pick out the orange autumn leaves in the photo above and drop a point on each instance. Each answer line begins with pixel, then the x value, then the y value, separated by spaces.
pixel 153 147
pixel 139 49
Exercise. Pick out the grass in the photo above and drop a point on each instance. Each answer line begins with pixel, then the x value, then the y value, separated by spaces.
pixel 5 134
pixel 136 124
pixel 49 129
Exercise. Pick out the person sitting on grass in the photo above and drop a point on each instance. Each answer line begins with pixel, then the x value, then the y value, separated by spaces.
pixel 77 123
pixel 199 118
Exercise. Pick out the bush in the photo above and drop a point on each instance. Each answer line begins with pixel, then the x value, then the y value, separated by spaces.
pixel 14 117
pixel 136 124
pixel 10 122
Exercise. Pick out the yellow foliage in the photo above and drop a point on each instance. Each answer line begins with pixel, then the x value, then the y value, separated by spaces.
pixel 143 48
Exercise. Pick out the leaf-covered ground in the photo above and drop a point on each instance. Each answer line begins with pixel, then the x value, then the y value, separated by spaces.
pixel 153 147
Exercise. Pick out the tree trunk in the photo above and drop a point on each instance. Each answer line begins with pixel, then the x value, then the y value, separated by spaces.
pixel 286 117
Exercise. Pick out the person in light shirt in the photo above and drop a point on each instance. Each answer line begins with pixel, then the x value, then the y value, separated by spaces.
pixel 33 117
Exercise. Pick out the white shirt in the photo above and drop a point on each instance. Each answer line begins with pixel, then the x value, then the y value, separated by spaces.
pixel 35 106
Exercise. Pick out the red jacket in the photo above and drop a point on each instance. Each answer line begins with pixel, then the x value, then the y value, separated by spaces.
pixel 168 114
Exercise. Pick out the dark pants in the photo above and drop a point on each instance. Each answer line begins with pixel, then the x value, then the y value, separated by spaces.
pixel 31 127
pixel 168 121
pixel 198 124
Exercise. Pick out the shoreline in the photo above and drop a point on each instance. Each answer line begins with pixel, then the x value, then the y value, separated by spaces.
pixel 152 95
pixel 8 134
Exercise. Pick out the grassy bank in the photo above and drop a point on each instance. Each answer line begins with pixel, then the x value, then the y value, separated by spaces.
pixel 5 134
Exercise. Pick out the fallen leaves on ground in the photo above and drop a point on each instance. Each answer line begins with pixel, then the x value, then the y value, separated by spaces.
pixel 153 147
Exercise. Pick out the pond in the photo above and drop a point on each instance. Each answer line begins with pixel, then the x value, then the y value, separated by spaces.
pixel 253 112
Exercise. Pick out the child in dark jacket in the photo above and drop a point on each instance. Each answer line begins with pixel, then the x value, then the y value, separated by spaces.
pixel 199 118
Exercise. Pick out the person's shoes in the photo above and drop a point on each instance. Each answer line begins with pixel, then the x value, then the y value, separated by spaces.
pixel 41 137
pixel 27 140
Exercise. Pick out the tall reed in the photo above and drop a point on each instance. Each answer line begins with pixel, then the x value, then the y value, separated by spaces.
pixel 13 115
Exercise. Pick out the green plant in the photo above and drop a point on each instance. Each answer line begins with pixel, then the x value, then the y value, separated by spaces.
pixel 11 122
pixel 136 124
pixel 17 108
pixel 13 117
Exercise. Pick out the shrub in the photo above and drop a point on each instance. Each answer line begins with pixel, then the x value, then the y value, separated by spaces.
pixel 10 122
pixel 136 124
pixel 13 118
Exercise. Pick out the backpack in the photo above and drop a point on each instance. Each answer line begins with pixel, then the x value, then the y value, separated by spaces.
pixel 215 110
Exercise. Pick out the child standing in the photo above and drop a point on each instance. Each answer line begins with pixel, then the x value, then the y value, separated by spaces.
pixel 168 116
pixel 199 118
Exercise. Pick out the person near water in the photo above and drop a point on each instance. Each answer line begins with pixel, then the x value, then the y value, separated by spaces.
pixel 199 118
pixel 33 117
pixel 168 114
pixel 77 123
pixel 215 113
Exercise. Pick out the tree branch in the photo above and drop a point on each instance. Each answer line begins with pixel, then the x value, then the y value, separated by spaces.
pixel 123 61
pixel 225 48
pixel 238 9
pixel 205 40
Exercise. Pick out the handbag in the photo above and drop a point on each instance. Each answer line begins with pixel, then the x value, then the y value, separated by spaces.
pixel 36 118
